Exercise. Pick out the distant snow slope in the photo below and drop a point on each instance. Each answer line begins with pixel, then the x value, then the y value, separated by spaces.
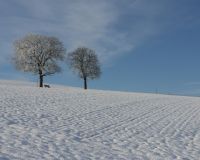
pixel 69 123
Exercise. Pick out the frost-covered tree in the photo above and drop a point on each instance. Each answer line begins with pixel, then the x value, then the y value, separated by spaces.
pixel 38 54
pixel 85 62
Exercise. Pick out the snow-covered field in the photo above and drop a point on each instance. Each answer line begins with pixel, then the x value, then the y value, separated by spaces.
pixel 70 123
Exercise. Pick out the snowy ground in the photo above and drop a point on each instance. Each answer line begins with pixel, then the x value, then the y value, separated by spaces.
pixel 69 123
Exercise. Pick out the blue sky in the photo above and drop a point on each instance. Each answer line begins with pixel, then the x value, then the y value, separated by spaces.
pixel 143 46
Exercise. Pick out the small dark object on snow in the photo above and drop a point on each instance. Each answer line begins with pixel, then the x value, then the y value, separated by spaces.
pixel 46 86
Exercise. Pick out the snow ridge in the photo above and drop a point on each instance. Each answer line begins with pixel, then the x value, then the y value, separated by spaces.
pixel 70 123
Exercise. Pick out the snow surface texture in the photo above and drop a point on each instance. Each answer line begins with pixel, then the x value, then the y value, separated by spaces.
pixel 70 123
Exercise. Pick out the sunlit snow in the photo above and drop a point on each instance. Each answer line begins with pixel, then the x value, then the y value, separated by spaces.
pixel 70 123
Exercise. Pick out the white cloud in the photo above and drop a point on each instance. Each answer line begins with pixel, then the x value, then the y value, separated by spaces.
pixel 77 23
pixel 112 28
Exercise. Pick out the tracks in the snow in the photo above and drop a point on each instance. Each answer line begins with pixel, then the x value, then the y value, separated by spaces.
pixel 95 124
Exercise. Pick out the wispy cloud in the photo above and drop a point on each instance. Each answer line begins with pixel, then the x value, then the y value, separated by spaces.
pixel 112 28
pixel 96 24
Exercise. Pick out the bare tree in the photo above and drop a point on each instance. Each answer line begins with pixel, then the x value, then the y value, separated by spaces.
pixel 38 54
pixel 85 62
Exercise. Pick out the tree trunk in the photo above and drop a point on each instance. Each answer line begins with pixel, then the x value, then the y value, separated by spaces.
pixel 85 82
pixel 41 80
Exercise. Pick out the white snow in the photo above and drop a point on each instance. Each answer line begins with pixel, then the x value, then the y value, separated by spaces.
pixel 70 123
